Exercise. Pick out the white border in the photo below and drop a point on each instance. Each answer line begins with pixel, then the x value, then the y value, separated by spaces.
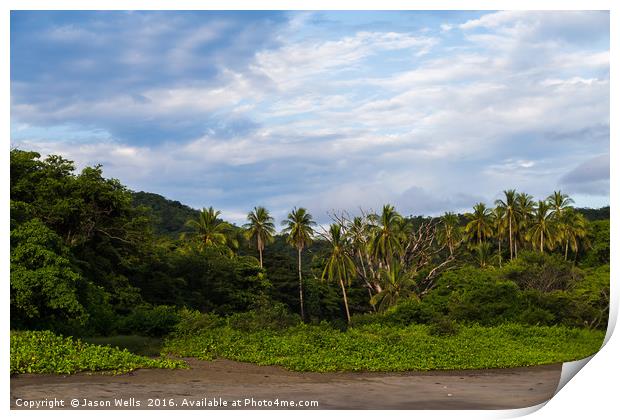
pixel 592 394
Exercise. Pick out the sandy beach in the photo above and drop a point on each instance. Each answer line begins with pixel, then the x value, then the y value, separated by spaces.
pixel 224 384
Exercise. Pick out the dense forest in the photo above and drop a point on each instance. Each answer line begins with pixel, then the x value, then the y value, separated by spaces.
pixel 89 257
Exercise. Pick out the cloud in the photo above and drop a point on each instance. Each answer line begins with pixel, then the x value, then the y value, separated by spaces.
pixel 417 200
pixel 591 177
pixel 330 111
pixel 569 26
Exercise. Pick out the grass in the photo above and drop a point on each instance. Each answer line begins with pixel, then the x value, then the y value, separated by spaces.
pixel 45 352
pixel 383 348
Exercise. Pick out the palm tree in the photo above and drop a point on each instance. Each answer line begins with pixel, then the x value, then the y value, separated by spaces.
pixel 386 241
pixel 499 226
pixel 509 205
pixel 559 203
pixel 299 230
pixel 450 230
pixel 339 267
pixel 395 282
pixel 523 215
pixel 543 227
pixel 479 226
pixel 260 228
pixel 210 230
pixel 573 229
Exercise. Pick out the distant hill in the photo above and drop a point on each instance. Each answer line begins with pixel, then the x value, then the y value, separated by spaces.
pixel 595 214
pixel 169 216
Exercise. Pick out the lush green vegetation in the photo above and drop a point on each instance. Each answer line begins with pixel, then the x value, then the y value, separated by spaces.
pixel 89 258
pixel 45 352
pixel 379 347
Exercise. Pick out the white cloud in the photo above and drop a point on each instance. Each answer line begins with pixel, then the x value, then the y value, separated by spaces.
pixel 291 64
pixel 485 115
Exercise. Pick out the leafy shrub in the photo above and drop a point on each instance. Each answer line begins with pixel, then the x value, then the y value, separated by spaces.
pixel 358 320
pixel 599 239
pixel 193 321
pixel 586 304
pixel 45 352
pixel 275 316
pixel 488 297
pixel 536 316
pixel 412 311
pixel 487 303
pixel 443 326
pixel 541 271
pixel 43 282
pixel 155 321
pixel 592 295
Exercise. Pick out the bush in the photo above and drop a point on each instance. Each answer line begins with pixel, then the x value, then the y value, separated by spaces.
pixel 487 297
pixel 411 311
pixel 274 316
pixel 443 326
pixel 536 316
pixel 45 352
pixel 599 239
pixel 487 303
pixel 541 271
pixel 193 321
pixel 154 321
pixel 44 283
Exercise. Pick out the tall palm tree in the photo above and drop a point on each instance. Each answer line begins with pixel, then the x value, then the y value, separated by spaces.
pixel 260 228
pixel 573 230
pixel 543 230
pixel 450 230
pixel 386 242
pixel 299 230
pixel 499 227
pixel 340 266
pixel 210 230
pixel 479 226
pixel 509 205
pixel 559 203
pixel 523 216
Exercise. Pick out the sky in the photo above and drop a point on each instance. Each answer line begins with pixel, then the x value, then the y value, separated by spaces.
pixel 430 111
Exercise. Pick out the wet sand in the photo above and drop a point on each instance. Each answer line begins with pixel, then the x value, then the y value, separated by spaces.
pixel 238 383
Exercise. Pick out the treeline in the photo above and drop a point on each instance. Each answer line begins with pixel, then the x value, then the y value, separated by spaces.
pixel 89 257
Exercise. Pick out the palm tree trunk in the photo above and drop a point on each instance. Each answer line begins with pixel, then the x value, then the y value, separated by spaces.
pixel 359 254
pixel 346 303
pixel 500 252
pixel 566 251
pixel 510 235
pixel 541 241
pixel 301 289
pixel 259 245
